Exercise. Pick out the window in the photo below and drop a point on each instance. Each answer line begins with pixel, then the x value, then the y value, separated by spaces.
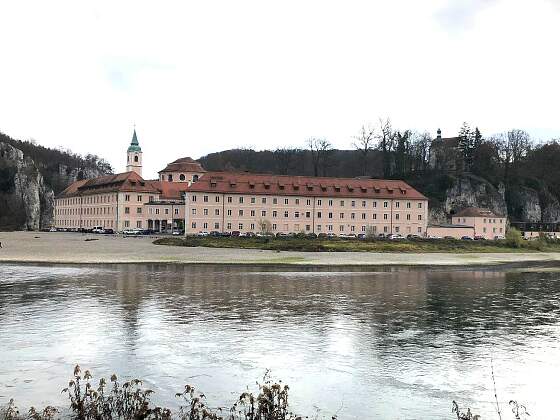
pixel 385 229
pixel 229 212
pixel 193 211
pixel 230 199
pixel 157 211
pixel 252 213
pixel 319 215
pixel 229 226
pixel 274 201
pixel 139 198
pixel 274 213
pixel 341 203
pixel 240 226
pixel 193 198
pixel 206 212
pixel 408 217
pixel 138 210
pixel 484 230
pixel 297 200
pixel 319 202
pixel 170 178
pixel 397 204
pixel 205 225
pixel 182 177
pixel 126 223
pixel 341 228
pixel 353 203
pixel 193 225
pixel 352 228
pixel 419 205
pixel 241 212
pixel 397 229
pixel 397 216
pixel 330 202
pixel 126 210
pixel 205 199
pixel 330 215
pixel 286 201
pixel 364 203
pixel 419 217
pixel 166 211
pixel 253 200
pixel 263 213
pixel 274 227
pixel 216 225
pixel 419 229
pixel 318 228
pixel 252 226
pixel 308 202
pixel 216 212
pixel 195 178
pixel 342 215
pixel 285 214
pixel 307 214
pixel 240 200
pixel 385 204
pixel 363 228
pixel 363 216
pixel 139 224
pixel 151 198
pixel 217 199
pixel 263 200
pixel 374 204
pixel 296 214
pixel 308 227
pixel 127 197
pixel 330 227
pixel 385 216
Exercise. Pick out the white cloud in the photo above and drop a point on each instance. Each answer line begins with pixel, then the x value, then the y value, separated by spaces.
pixel 198 77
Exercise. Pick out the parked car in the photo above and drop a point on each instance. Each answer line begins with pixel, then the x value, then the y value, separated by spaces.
pixel 412 236
pixel 53 229
pixel 109 231
pixel 479 238
pixel 322 236
pixel 177 233
pixel 362 236
pixel 281 235
pixel 466 238
pixel 499 237
pixel 449 237
pixel 203 233
pixel 225 234
pixel 311 235
pixel 250 234
pixel 215 233
pixel 235 233
pixel 331 235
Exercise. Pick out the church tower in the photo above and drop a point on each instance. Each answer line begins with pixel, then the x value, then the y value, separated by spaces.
pixel 134 156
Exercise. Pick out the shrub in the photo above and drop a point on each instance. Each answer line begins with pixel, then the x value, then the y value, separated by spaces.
pixel 514 239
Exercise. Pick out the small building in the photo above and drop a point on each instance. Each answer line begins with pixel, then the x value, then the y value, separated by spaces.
pixel 445 154
pixel 486 223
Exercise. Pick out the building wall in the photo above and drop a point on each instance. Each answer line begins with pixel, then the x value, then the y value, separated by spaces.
pixel 487 227
pixel 118 211
pixel 160 216
pixel 457 233
pixel 287 214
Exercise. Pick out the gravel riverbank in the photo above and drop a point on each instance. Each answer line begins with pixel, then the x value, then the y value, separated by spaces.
pixel 55 247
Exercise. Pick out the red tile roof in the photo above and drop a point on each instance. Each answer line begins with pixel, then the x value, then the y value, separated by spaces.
pixel 475 212
pixel 264 184
pixel 170 190
pixel 185 164
pixel 126 181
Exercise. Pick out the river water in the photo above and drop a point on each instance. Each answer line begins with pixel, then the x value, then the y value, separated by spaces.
pixel 386 344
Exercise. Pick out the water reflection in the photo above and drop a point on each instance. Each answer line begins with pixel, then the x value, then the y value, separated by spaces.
pixel 395 343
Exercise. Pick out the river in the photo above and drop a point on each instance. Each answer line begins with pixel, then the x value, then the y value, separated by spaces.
pixel 392 343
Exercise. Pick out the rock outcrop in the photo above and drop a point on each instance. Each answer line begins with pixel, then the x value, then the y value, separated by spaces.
pixel 24 194
pixel 472 191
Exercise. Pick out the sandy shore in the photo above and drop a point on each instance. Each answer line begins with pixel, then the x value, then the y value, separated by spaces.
pixel 49 247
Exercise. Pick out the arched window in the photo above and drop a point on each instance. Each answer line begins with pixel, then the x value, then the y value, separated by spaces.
pixel 195 178
pixel 170 178
pixel 135 158
pixel 182 177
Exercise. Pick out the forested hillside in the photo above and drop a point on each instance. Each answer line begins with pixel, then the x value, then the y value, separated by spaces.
pixel 30 177
pixel 509 172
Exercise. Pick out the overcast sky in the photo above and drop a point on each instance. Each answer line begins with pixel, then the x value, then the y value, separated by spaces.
pixel 202 76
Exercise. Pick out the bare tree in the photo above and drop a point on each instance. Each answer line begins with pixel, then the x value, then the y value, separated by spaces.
pixel 285 159
pixel 320 149
pixel 512 147
pixel 364 143
pixel 386 137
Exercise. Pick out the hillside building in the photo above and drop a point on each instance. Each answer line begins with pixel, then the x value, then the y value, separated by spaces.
pixel 473 222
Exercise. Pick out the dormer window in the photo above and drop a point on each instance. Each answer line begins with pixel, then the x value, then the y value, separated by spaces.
pixel 296 187
pixel 251 184
pixel 364 189
pixel 170 177
pixel 350 188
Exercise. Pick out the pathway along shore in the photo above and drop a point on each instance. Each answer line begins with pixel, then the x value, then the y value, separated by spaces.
pixel 56 247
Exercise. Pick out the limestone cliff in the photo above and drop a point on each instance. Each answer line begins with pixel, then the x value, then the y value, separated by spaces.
pixel 26 197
